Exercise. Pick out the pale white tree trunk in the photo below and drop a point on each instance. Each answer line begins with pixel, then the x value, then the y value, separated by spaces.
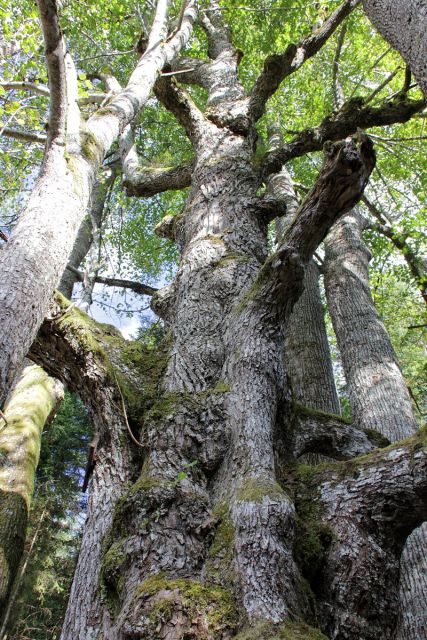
pixel 34 259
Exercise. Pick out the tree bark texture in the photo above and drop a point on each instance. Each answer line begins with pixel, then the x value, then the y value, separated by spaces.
pixel 96 363
pixel 376 387
pixel 207 524
pixel 215 531
pixel 403 24
pixel 32 402
pixel 378 394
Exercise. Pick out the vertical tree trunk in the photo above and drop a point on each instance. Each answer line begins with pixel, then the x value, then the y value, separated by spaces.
pixel 32 402
pixel 307 355
pixel 84 239
pixel 377 390
pixel 378 393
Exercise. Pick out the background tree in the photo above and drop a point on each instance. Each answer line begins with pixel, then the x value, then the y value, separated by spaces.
pixel 209 524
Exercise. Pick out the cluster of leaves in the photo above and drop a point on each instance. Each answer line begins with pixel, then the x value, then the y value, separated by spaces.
pixel 56 519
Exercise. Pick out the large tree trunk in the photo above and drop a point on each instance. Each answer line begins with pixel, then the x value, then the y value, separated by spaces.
pixel 204 538
pixel 403 24
pixel 378 393
pixel 33 401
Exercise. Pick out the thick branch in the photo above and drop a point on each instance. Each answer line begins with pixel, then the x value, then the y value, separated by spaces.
pixel 147 182
pixel 340 184
pixel 24 136
pixel 278 66
pixel 179 103
pixel 137 287
pixel 55 57
pixel 192 71
pixel 216 29
pixel 319 432
pixel 346 122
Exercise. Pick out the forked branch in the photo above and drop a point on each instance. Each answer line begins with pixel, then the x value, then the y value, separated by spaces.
pixel 278 66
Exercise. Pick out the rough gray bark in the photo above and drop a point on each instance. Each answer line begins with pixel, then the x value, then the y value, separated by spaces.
pixel 223 385
pixel 209 538
pixel 378 393
pixel 377 390
pixel 307 354
pixel 90 360
pixel 403 24
pixel 366 508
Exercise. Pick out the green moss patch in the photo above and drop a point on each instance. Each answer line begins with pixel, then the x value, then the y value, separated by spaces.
pixel 287 631
pixel 219 565
pixel 210 611
pixel 256 489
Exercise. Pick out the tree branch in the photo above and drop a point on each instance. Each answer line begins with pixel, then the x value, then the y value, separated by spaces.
pixel 25 136
pixel 318 432
pixel 339 186
pixel 278 66
pixel 137 287
pixel 147 182
pixel 33 87
pixel 351 117
pixel 93 97
pixel 217 32
pixel 179 103
pixel 55 52
pixel 416 264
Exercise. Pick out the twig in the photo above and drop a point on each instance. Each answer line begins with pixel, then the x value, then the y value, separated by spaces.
pixel 134 440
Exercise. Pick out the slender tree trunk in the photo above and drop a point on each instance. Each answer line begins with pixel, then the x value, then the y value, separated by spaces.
pixel 377 390
pixel 32 402
pixel 307 355
pixel 403 24
pixel 84 239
